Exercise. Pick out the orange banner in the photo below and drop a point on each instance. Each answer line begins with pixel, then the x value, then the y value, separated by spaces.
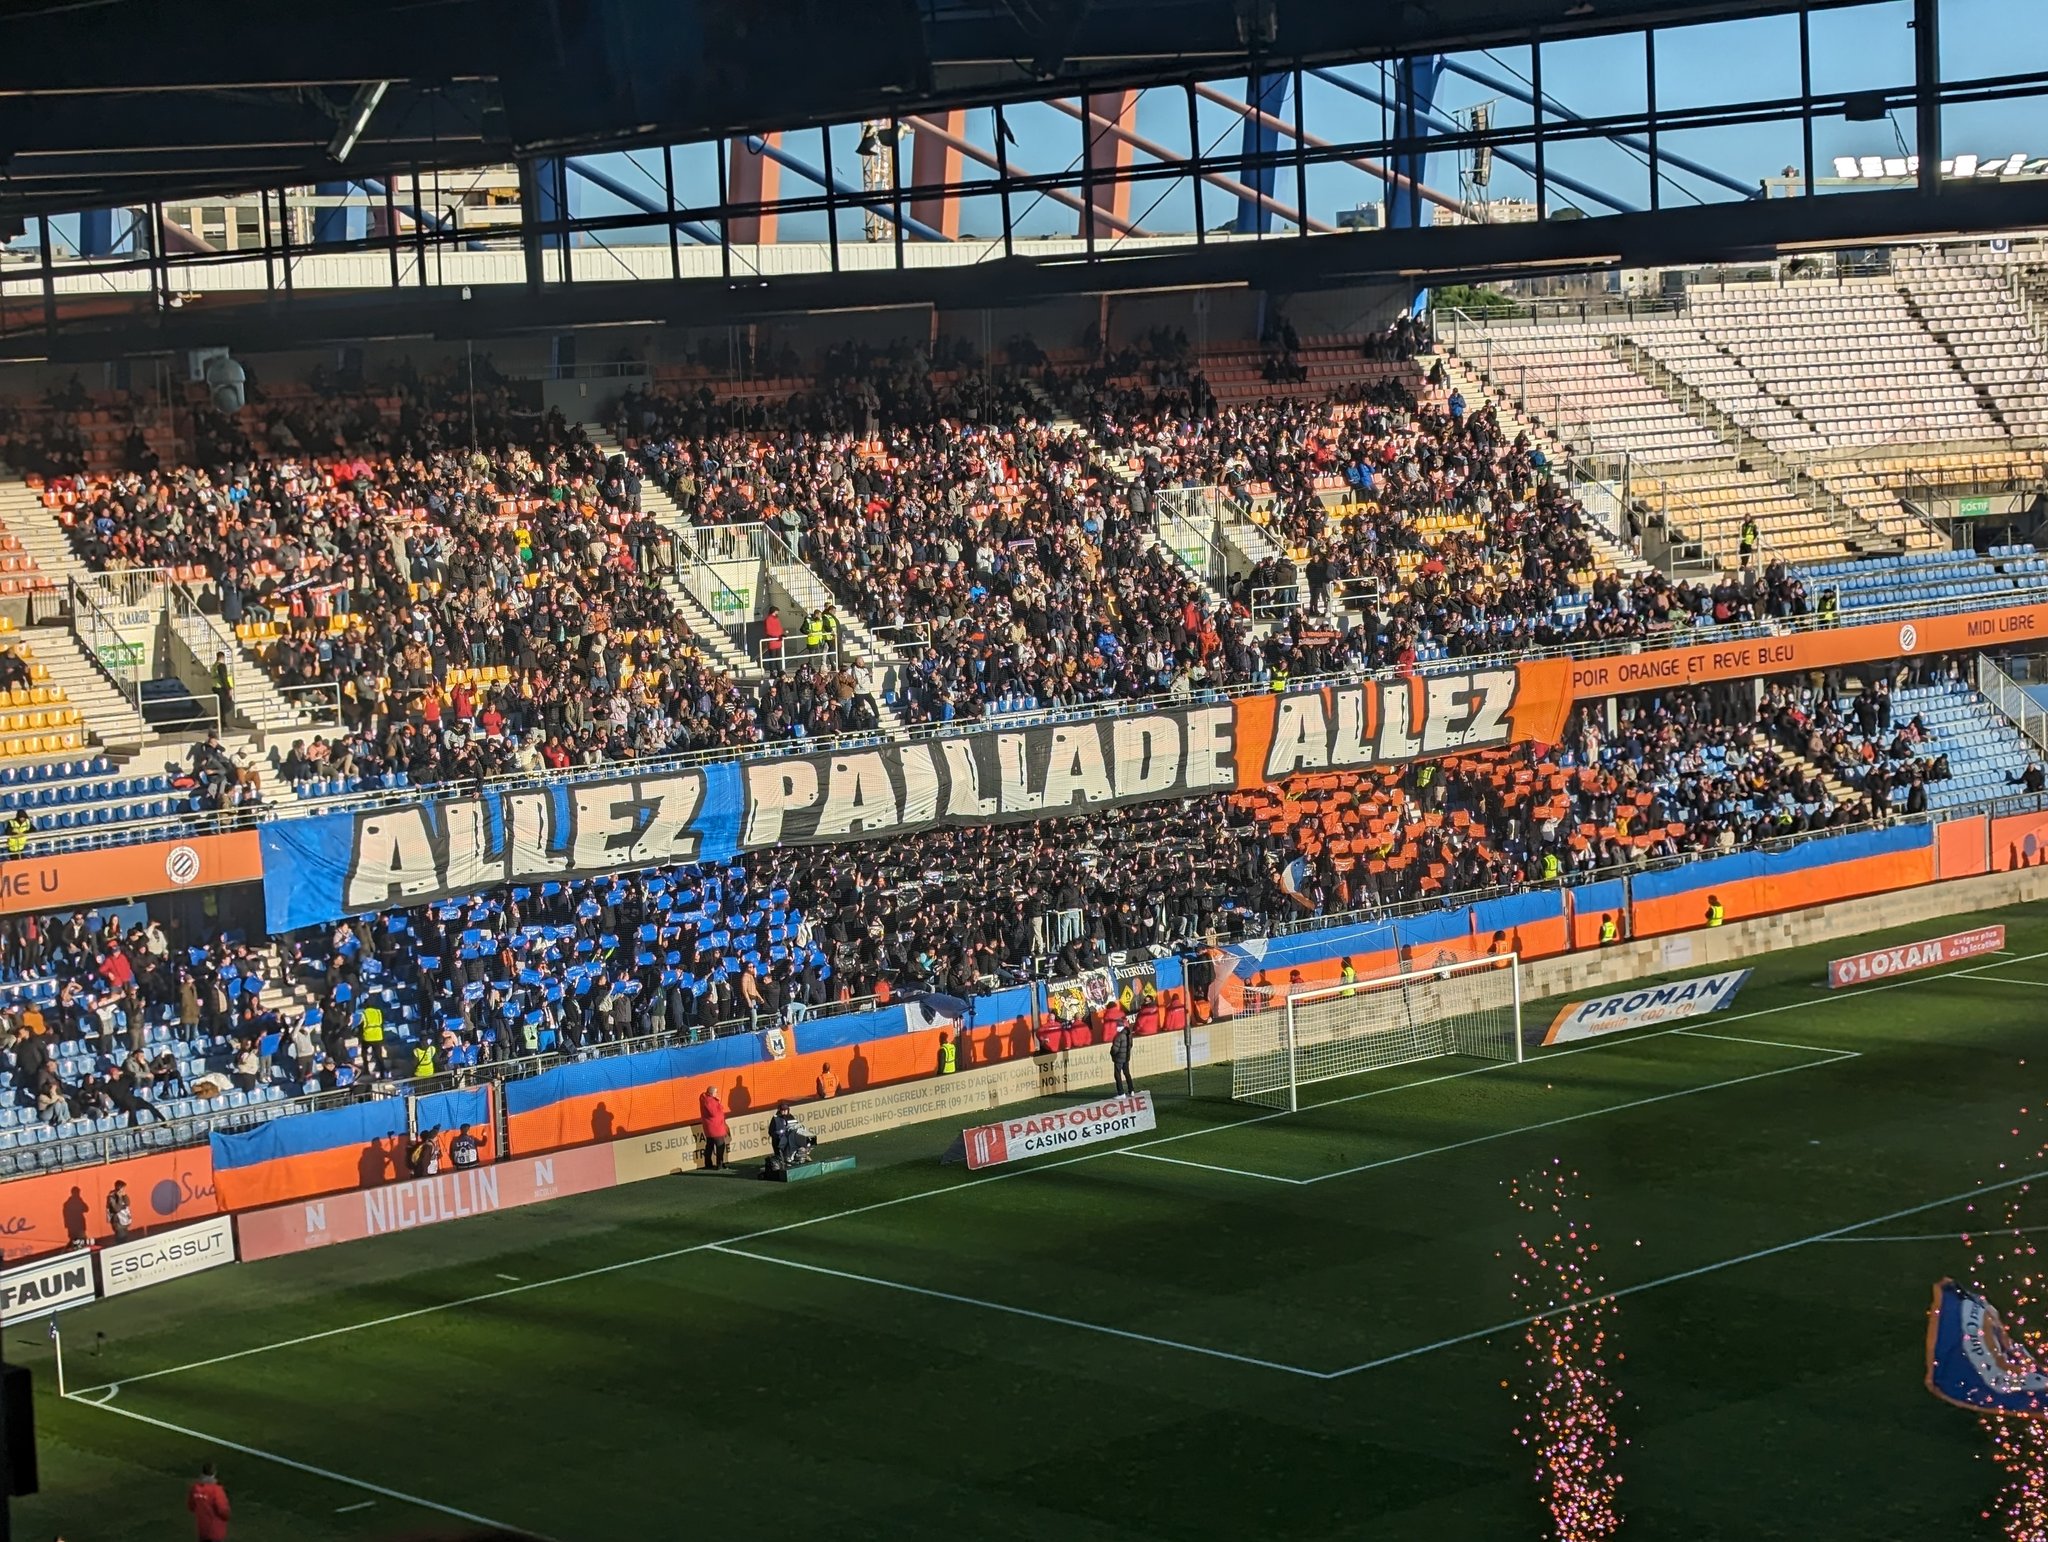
pixel 661 1105
pixel 66 879
pixel 313 1173
pixel 1747 658
pixel 43 1213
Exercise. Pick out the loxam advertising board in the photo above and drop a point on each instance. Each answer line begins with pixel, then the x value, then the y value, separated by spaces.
pixel 1882 963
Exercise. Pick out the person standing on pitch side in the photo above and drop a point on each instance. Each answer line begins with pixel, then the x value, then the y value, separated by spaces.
pixel 208 1502
pixel 717 1135
pixel 1120 1058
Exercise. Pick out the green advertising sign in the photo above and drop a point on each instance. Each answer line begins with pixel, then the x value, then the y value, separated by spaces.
pixel 1973 508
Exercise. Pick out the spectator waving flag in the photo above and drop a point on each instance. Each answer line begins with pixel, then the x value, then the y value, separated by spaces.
pixel 1974 1363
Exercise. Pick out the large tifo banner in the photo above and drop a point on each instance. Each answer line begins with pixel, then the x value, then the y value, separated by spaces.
pixel 321 868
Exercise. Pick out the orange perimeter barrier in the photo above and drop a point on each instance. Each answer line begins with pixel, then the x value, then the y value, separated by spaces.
pixel 746 1089
pixel 331 1172
pixel 127 872
pixel 1786 891
pixel 1962 848
pixel 41 1214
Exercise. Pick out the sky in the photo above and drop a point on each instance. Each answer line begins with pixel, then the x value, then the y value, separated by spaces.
pixel 1857 48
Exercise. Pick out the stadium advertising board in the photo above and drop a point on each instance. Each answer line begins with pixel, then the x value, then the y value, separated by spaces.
pixel 1645 1005
pixel 1059 1129
pixel 331 865
pixel 396 1207
pixel 1880 963
pixel 64 879
pixel 171 1255
pixel 1748 657
pixel 35 1290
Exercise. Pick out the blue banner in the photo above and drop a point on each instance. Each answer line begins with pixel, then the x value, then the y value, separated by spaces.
pixel 1973 1363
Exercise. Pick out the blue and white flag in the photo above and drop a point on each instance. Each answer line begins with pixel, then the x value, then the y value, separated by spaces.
pixel 1973 1363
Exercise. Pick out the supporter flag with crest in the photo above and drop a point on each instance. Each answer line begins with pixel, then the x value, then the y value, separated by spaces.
pixel 1974 1363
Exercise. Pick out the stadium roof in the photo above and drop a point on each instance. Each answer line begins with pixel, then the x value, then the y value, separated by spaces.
pixel 117 102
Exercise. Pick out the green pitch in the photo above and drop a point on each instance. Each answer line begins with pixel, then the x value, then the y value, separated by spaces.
pixel 1242 1326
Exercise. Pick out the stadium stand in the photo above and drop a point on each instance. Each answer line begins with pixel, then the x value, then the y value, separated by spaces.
pixel 1810 406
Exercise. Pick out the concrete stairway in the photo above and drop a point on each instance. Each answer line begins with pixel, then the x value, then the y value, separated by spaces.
pixel 809 592
pixel 1856 532
pixel 709 633
pixel 110 717
pixel 259 704
pixel 804 588
pixel 41 536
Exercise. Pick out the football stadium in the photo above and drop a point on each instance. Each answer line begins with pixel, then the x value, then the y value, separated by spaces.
pixel 1097 768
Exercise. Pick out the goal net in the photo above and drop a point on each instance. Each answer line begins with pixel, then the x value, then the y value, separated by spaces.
pixel 1472 1008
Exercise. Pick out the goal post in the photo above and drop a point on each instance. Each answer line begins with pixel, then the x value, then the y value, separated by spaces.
pixel 1471 1008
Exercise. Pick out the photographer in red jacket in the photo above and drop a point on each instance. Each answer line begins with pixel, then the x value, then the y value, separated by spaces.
pixel 208 1502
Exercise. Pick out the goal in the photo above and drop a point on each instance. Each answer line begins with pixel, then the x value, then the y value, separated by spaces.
pixel 1472 1008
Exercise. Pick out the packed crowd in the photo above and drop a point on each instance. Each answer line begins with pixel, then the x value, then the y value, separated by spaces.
pixel 690 951
pixel 1864 744
pixel 99 1020
pixel 484 592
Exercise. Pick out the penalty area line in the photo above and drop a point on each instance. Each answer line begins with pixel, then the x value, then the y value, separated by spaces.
pixel 1021 1311
pixel 362 1485
pixel 1838 1234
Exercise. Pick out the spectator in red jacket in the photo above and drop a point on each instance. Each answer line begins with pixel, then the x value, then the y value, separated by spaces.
pixel 208 1502
pixel 717 1137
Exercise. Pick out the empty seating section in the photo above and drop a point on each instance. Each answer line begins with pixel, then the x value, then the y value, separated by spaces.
pixel 1678 345
pixel 81 796
pixel 1875 485
pixel 36 717
pixel 1935 579
pixel 1848 356
pixel 1972 305
pixel 1567 380
pixel 1711 505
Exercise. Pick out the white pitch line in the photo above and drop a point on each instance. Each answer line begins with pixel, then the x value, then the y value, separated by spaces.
pixel 1730 1038
pixel 2006 979
pixel 1951 1236
pixel 1021 1311
pixel 1592 1113
pixel 307 1467
pixel 1831 1057
pixel 1207 1167
pixel 1684 1275
pixel 367 1504
pixel 1928 978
